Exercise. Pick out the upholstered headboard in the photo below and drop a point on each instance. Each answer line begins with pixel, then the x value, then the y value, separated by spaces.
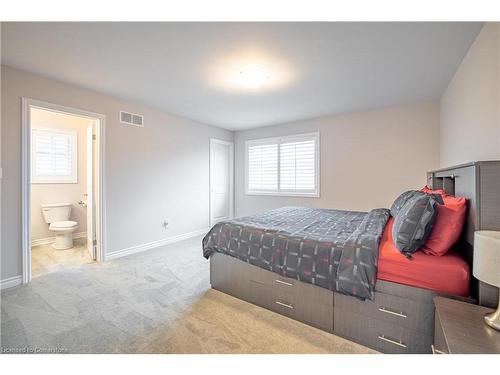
pixel 479 182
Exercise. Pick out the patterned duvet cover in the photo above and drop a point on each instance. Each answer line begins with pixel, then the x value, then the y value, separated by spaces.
pixel 333 249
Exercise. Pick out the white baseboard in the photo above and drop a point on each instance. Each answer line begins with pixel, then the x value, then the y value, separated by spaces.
pixel 49 240
pixel 11 282
pixel 151 245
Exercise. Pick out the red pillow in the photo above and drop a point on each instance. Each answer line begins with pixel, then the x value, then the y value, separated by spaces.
pixel 448 225
pixel 426 189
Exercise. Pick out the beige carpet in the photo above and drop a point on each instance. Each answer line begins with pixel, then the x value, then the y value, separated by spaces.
pixel 157 301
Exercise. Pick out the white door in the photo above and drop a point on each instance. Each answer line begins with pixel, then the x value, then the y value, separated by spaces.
pixel 90 191
pixel 221 180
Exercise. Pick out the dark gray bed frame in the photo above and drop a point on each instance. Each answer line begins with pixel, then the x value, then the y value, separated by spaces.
pixel 401 317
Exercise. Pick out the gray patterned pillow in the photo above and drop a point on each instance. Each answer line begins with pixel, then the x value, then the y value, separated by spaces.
pixel 402 199
pixel 413 223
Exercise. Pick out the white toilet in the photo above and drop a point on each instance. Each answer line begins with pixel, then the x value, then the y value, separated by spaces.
pixel 57 215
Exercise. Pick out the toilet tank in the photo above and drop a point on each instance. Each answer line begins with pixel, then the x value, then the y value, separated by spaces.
pixel 56 212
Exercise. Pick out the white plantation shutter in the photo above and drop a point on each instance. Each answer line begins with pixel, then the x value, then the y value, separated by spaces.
pixel 53 156
pixel 263 167
pixel 297 165
pixel 283 166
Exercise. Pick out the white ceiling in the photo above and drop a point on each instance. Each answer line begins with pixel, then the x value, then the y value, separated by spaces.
pixel 315 69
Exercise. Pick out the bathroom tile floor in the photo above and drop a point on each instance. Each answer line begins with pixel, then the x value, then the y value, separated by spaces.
pixel 45 259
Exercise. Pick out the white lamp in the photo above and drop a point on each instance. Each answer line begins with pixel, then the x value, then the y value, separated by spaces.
pixel 486 266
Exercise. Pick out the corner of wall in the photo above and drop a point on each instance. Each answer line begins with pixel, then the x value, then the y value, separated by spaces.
pixel 469 115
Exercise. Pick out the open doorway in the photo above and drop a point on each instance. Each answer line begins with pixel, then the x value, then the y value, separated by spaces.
pixel 62 188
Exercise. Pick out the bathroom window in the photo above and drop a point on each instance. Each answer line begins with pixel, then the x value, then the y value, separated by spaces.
pixel 53 156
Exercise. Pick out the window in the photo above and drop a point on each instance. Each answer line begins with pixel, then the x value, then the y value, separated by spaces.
pixel 283 166
pixel 53 156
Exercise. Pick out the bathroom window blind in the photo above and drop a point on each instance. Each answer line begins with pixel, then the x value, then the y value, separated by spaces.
pixel 283 166
pixel 54 156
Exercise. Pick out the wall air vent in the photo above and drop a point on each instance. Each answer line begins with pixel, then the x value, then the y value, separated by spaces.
pixel 131 119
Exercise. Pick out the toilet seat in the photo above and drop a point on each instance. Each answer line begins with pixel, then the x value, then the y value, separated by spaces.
pixel 63 225
pixel 64 234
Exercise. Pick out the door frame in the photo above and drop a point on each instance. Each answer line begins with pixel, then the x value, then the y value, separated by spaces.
pixel 91 138
pixel 231 178
pixel 100 196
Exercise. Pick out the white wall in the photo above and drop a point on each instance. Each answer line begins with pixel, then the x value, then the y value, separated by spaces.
pixel 56 193
pixel 152 173
pixel 1 140
pixel 470 107
pixel 367 158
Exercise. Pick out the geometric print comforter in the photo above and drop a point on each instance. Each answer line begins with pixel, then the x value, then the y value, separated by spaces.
pixel 333 249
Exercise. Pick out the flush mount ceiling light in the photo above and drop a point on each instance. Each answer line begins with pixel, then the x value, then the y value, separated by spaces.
pixel 249 71
pixel 253 78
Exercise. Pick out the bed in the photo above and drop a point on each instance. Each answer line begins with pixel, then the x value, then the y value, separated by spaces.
pixel 320 266
pixel 332 249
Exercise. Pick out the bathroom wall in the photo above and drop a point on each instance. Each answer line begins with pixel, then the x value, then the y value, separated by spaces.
pixel 54 193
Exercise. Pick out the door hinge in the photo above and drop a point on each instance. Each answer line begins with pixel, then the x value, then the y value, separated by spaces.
pixel 93 137
pixel 94 242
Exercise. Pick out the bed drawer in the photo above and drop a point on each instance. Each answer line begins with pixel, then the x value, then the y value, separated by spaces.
pixel 306 303
pixel 314 305
pixel 232 279
pixel 300 301
pixel 403 312
pixel 380 335
pixel 273 280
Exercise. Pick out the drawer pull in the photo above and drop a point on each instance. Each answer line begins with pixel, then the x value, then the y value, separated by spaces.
pixel 284 305
pixel 391 341
pixel 437 351
pixel 388 311
pixel 283 282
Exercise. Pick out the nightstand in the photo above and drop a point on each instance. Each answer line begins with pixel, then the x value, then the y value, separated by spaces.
pixel 460 329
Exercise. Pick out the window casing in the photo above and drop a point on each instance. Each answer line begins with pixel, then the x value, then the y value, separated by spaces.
pixel 53 156
pixel 284 166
